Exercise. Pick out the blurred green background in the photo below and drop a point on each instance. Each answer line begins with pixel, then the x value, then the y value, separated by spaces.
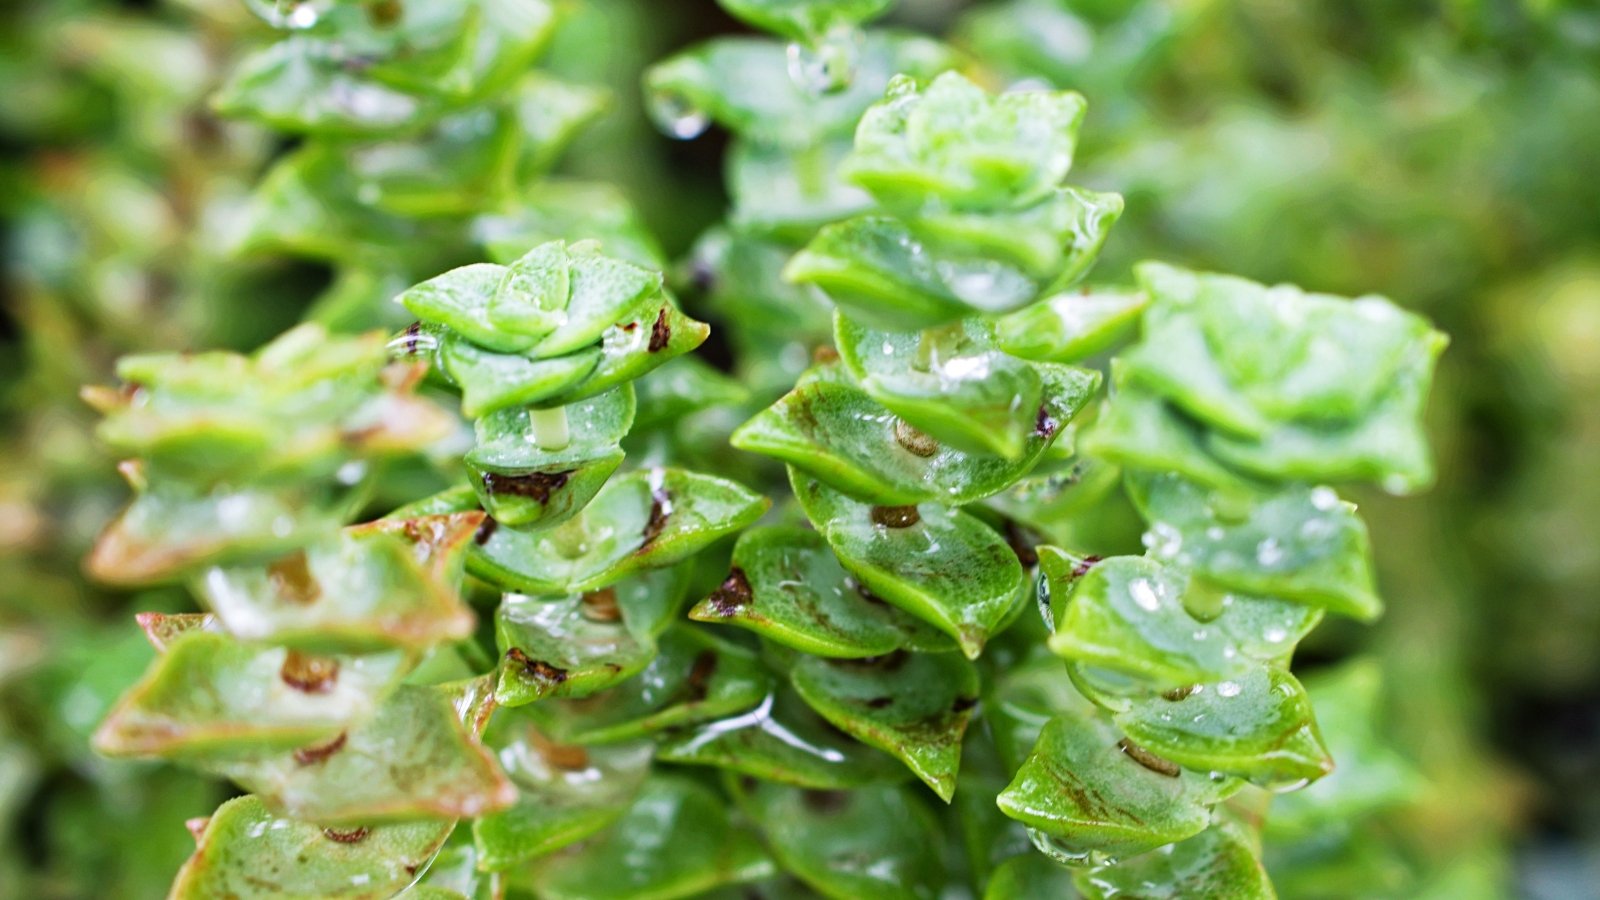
pixel 1441 153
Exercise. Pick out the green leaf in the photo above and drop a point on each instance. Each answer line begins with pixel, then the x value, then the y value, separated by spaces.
pixel 832 430
pixel 1055 240
pixel 787 586
pixel 642 520
pixel 525 474
pixel 601 292
pixel 1221 861
pixel 781 740
pixel 912 705
pixel 878 271
pixel 684 386
pixel 415 758
pixel 568 793
pixel 954 385
pixel 568 210
pixel 1027 876
pixel 551 114
pixel 1139 430
pixel 491 381
pixel 1090 802
pixel 942 565
pixel 743 84
pixel 1258 726
pixel 389 583
pixel 696 848
pixel 211 696
pixel 805 19
pixel 1022 699
pixel 694 677
pixel 573 646
pixel 1127 615
pixel 247 851
pixel 1300 543
pixel 633 348
pixel 788 194
pixel 1070 327
pixel 162 629
pixel 954 143
pixel 869 842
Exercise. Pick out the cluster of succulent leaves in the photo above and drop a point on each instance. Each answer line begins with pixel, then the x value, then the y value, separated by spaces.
pixel 337 675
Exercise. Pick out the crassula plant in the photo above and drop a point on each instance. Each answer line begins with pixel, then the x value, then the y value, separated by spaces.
pixel 571 665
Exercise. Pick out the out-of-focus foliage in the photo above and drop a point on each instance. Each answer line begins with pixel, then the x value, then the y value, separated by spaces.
pixel 1436 154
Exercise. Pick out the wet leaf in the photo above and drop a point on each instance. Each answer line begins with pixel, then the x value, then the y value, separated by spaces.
pixel 568 210
pixel 1258 726
pixel 834 431
pixel 1300 543
pixel 693 677
pixel 788 194
pixel 642 520
pixel 869 842
pixel 1072 326
pixel 942 565
pixel 392 583
pixel 912 705
pixel 696 849
pixel 787 586
pixel 1127 615
pixel 782 740
pixel 952 384
pixel 533 467
pixel 684 386
pixel 805 19
pixel 211 696
pixel 1090 802
pixel 246 851
pixel 1139 430
pixel 414 758
pixel 567 793
pixel 576 645
pixel 743 84
pixel 630 349
pixel 1221 861
pixel 1028 876
pixel 492 381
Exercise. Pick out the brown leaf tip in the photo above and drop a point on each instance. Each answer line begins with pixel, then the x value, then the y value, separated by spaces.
pixel 733 595
pixel 1157 764
pixel 309 674
pixel 536 669
pixel 660 332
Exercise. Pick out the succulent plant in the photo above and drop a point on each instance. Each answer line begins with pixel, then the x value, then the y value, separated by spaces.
pixel 551 647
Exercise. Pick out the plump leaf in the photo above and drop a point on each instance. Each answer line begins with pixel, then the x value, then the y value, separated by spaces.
pixel 782 740
pixel 642 520
pixel 1219 862
pixel 694 677
pixel 1299 543
pixel 212 696
pixel 415 758
pixel 392 583
pixel 787 194
pixel 1127 615
pixel 955 143
pixel 247 851
pixel 491 381
pixel 576 645
pixel 568 210
pixel 540 467
pixel 1072 326
pixel 805 19
pixel 1026 876
pixel 913 705
pixel 833 430
pixel 942 565
pixel 869 842
pixel 695 848
pixel 1139 430
pixel 954 385
pixel 743 84
pixel 567 793
pixel 630 349
pixel 1053 241
pixel 1091 802
pixel 1259 727
pixel 787 586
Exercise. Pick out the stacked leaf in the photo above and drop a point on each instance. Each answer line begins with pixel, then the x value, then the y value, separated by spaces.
pixel 425 134
pixel 1229 416
pixel 791 105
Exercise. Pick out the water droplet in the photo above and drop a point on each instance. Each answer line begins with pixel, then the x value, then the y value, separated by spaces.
pixel 827 64
pixel 676 115
pixel 1163 540
pixel 1228 689
pixel 1269 553
pixel 1144 593
pixel 1324 498
pixel 1275 635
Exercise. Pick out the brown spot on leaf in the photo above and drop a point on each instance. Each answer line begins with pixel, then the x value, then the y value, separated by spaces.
pixel 600 606
pixel 1157 764
pixel 1045 425
pixel 536 486
pixel 660 332
pixel 1084 565
pixel 1181 693
pixel 309 674
pixel 914 441
pixel 486 530
pixel 316 753
pixel 542 673
pixel 346 836
pixel 292 580
pixel 733 595
pixel 705 666
pixel 660 508
pixel 895 516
